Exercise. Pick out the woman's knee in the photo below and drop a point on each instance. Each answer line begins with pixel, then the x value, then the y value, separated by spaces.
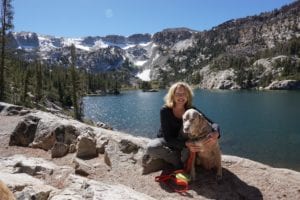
pixel 154 145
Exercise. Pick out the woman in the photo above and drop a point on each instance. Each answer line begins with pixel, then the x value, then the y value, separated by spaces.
pixel 170 144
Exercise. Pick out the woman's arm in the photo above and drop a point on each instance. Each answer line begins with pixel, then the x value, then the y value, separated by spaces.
pixel 167 132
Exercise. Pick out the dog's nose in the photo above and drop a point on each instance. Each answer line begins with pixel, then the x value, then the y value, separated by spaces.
pixel 185 130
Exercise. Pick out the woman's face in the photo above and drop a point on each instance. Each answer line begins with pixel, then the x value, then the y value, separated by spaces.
pixel 180 96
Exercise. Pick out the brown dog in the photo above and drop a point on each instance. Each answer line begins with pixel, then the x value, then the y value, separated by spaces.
pixel 197 128
pixel 5 193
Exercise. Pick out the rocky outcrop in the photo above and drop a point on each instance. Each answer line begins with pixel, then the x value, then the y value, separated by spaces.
pixel 217 79
pixel 114 39
pixel 104 59
pixel 20 173
pixel 139 38
pixel 9 109
pixel 106 164
pixel 47 131
pixel 169 37
pixel 27 39
pixel 24 133
pixel 284 85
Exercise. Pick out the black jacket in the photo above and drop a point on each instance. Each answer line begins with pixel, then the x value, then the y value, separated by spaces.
pixel 171 128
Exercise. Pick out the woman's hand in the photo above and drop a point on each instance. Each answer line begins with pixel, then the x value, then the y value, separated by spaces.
pixel 192 146
pixel 212 138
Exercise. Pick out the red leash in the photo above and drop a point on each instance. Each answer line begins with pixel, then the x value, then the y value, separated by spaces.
pixel 178 177
pixel 189 162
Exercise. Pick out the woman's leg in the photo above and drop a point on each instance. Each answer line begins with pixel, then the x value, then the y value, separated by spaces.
pixel 157 149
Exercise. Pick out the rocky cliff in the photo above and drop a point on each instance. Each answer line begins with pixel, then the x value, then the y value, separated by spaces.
pixel 50 157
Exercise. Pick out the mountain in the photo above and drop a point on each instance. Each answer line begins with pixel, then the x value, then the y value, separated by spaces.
pixel 93 53
pixel 240 53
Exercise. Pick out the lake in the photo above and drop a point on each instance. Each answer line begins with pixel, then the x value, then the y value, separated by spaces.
pixel 259 125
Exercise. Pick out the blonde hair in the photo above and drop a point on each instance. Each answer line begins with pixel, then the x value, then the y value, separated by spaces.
pixel 169 98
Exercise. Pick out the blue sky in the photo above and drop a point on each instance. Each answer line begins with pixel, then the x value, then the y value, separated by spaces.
pixel 80 18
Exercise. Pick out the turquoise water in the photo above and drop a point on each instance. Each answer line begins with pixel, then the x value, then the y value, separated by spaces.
pixel 260 125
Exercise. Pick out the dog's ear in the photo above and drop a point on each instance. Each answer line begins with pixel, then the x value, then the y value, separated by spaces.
pixel 201 119
pixel 205 125
pixel 199 116
pixel 195 114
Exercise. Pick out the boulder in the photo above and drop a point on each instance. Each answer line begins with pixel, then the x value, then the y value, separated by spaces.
pixel 25 186
pixel 10 109
pixel 31 166
pixel 86 147
pixel 127 146
pixel 152 164
pixel 36 192
pixel 103 125
pixel 52 129
pixel 284 85
pixel 82 168
pixel 66 133
pixel 59 149
pixel 101 143
pixel 25 131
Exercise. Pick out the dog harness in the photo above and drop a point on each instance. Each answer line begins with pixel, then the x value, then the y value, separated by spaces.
pixel 178 180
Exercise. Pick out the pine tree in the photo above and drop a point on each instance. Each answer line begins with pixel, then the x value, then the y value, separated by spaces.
pixel 6 25
pixel 25 85
pixel 74 77
pixel 39 82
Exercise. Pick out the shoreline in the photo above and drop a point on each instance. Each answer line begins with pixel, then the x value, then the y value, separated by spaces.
pixel 271 164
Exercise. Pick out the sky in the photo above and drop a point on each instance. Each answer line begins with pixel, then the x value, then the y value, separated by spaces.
pixel 81 18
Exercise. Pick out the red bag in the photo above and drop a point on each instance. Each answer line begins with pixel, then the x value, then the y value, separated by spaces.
pixel 179 178
pixel 181 184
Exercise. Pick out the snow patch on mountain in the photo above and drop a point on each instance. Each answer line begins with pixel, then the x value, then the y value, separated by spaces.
pixel 128 46
pixel 145 44
pixel 99 44
pixel 77 42
pixel 156 57
pixel 140 62
pixel 144 75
